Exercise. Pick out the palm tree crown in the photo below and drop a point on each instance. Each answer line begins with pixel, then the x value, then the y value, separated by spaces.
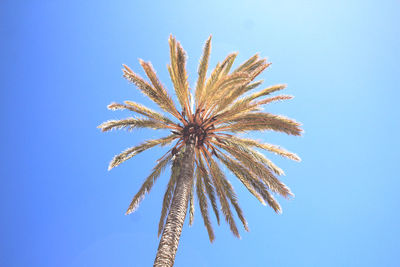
pixel 221 106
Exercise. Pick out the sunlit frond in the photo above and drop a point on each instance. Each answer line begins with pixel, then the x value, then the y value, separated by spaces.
pixel 147 89
pixel 262 121
pixel 178 74
pixel 159 88
pixel 265 92
pixel 272 148
pixel 148 183
pixel 203 70
pixel 133 151
pixel 135 107
pixel 247 63
pixel 130 124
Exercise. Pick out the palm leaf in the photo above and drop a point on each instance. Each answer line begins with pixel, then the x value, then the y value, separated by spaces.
pixel 159 88
pixel 216 176
pixel 272 148
pixel 202 71
pixel 209 187
pixel 130 124
pixel 147 89
pixel 203 204
pixel 240 172
pixel 262 121
pixel 254 185
pixel 138 108
pixel 148 183
pixel 256 167
pixel 133 151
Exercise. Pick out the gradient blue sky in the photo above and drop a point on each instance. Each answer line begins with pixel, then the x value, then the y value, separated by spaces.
pixel 61 65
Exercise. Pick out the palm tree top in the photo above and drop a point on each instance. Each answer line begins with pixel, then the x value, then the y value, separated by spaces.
pixel 220 106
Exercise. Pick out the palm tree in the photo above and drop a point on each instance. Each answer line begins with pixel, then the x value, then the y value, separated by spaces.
pixel 218 106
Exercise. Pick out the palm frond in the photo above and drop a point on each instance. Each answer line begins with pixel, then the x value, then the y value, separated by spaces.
pixel 175 169
pixel 178 73
pixel 202 71
pixel 240 172
pixel 233 199
pixel 272 148
pixel 247 63
pixel 256 155
pixel 159 88
pixel 217 79
pixel 262 121
pixel 130 124
pixel 227 63
pixel 216 175
pixel 203 204
pixel 242 107
pixel 138 108
pixel 256 167
pixel 253 184
pixel 209 187
pixel 147 89
pixel 133 151
pixel 253 85
pixel 264 92
pixel 225 87
pixel 148 183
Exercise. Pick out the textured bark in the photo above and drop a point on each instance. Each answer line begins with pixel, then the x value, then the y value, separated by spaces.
pixel 177 213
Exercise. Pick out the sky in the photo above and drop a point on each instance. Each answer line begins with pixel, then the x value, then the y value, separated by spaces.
pixel 61 66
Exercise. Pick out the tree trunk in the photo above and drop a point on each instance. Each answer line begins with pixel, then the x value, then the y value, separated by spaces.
pixel 177 213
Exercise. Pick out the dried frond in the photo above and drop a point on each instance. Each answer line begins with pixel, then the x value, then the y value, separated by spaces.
pixel 202 71
pixel 148 183
pixel 130 124
pixel 241 174
pixel 175 169
pixel 133 151
pixel 253 184
pixel 233 199
pixel 256 155
pixel 216 175
pixel 209 187
pixel 203 204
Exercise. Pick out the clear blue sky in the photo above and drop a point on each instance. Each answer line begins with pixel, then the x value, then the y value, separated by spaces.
pixel 61 65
